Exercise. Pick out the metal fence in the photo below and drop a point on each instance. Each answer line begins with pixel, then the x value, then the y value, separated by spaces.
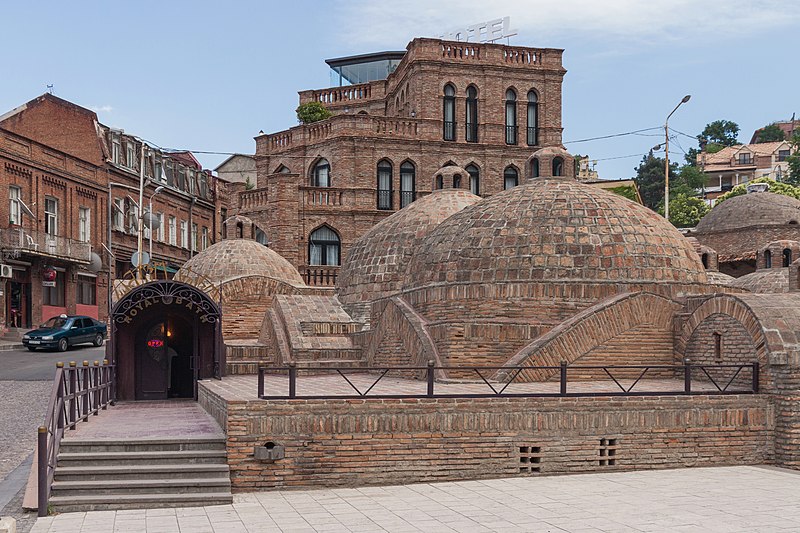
pixel 78 392
pixel 496 380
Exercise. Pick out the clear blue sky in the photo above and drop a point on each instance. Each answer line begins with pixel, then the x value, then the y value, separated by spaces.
pixel 209 75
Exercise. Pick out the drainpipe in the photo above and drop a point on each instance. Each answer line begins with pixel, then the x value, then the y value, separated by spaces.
pixel 191 239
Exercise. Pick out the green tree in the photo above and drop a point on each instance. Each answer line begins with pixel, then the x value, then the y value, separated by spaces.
pixel 770 133
pixel 312 112
pixel 794 161
pixel 688 180
pixel 686 211
pixel 626 192
pixel 650 179
pixel 776 187
pixel 721 132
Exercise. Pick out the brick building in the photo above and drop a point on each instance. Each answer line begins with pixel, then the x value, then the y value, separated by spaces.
pixel 57 165
pixel 482 107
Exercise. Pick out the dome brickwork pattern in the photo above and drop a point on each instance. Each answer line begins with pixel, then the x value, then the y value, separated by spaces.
pixel 555 230
pixel 377 263
pixel 230 259
pixel 753 209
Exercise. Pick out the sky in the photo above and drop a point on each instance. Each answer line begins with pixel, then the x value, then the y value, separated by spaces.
pixel 207 76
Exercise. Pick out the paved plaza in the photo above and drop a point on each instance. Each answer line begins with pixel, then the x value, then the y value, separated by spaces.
pixel 727 499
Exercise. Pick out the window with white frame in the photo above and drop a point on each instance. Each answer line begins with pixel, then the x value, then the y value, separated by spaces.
pixel 194 237
pixel 158 170
pixel 172 232
pixel 84 224
pixel 51 216
pixel 204 242
pixel 14 207
pixel 184 234
pixel 160 217
pixel 117 215
pixel 86 290
pixel 116 149
pixel 130 160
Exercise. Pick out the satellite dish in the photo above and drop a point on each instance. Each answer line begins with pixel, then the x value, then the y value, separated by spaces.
pixel 95 263
pixel 150 220
pixel 136 260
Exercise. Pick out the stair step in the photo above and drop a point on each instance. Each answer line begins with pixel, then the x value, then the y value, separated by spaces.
pixel 139 457
pixel 173 471
pixel 141 445
pixel 140 486
pixel 138 501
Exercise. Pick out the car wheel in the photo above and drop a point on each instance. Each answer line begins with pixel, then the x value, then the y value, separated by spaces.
pixel 98 340
pixel 31 349
pixel 63 345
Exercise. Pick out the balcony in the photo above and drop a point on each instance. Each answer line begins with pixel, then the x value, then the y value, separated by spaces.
pixel 19 241
pixel 319 275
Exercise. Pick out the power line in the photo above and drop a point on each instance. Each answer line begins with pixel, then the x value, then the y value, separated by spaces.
pixel 612 135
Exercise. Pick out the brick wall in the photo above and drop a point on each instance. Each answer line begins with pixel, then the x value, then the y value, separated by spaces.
pixel 358 442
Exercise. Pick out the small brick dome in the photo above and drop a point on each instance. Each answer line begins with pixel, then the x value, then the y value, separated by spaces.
pixel 753 209
pixel 769 281
pixel 376 264
pixel 555 229
pixel 229 259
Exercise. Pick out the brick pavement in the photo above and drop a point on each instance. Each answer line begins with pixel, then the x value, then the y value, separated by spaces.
pixel 708 500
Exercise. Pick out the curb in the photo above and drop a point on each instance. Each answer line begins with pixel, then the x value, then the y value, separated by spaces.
pixel 9 347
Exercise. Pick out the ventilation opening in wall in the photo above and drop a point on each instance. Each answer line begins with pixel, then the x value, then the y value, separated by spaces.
pixel 530 459
pixel 608 452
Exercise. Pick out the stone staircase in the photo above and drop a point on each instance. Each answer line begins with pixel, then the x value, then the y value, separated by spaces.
pixel 95 474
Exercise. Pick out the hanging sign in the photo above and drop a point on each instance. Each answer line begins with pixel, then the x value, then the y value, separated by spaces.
pixel 49 277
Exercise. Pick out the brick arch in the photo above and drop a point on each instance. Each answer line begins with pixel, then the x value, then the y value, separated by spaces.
pixel 735 308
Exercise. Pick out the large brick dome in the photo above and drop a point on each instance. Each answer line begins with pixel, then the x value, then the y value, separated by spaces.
pixel 377 262
pixel 555 230
pixel 753 209
pixel 230 259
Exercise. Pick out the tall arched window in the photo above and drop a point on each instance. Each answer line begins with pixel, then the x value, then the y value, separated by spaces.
pixel 407 183
pixel 535 167
pixel 767 259
pixel 510 177
pixel 533 119
pixel 474 179
pixel 558 166
pixel 456 181
pixel 384 184
pixel 787 257
pixel 321 176
pixel 472 115
pixel 449 113
pixel 511 117
pixel 323 247
pixel 439 182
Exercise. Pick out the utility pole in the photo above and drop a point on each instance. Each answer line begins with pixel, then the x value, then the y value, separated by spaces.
pixel 141 215
pixel 666 156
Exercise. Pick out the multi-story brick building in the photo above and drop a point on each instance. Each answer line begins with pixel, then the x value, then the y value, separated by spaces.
pixel 58 168
pixel 481 107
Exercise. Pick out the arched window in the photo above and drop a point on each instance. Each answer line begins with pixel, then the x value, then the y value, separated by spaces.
pixel 510 178
pixel 323 247
pixel 439 182
pixel 787 257
pixel 533 119
pixel 449 113
pixel 239 230
pixel 558 166
pixel 705 260
pixel 767 259
pixel 511 117
pixel 407 183
pixel 474 179
pixel 261 237
pixel 535 167
pixel 321 176
pixel 472 115
pixel 456 181
pixel 384 184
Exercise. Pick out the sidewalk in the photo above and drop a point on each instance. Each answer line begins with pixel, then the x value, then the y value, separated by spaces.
pixel 731 499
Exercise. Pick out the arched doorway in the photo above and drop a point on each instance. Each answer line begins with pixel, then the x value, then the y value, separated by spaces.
pixel 165 336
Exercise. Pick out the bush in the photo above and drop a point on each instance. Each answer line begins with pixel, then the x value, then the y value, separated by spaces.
pixel 774 186
pixel 686 211
pixel 312 112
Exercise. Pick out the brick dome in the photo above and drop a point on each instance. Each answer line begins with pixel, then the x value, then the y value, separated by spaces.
pixel 771 280
pixel 753 209
pixel 555 229
pixel 376 264
pixel 230 259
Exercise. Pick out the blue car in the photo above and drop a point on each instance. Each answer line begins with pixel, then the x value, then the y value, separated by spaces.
pixel 63 331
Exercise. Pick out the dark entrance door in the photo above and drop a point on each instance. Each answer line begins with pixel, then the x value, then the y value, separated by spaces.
pixel 18 308
pixel 166 360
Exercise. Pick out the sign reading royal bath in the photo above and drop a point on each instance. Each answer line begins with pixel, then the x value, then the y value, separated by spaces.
pixel 169 293
pixel 483 32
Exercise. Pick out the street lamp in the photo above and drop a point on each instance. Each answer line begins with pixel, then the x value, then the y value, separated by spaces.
pixel 154 224
pixel 666 155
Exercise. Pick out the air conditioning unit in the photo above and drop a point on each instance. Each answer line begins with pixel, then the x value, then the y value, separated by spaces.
pixel 6 271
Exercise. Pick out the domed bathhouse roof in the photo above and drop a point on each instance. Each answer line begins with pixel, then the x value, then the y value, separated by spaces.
pixel 771 280
pixel 752 209
pixel 377 262
pixel 555 230
pixel 718 278
pixel 230 259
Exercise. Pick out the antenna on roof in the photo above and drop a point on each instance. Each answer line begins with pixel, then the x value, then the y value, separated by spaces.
pixel 50 88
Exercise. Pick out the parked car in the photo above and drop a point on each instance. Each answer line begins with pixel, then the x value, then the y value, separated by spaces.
pixel 63 331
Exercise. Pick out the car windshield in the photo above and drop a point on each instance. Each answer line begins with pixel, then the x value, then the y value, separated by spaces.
pixel 55 322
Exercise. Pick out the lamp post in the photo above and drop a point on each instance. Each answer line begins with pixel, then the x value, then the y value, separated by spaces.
pixel 666 155
pixel 150 210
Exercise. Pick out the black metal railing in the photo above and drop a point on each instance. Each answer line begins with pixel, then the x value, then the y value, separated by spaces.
pixel 533 136
pixel 449 131
pixel 471 133
pixel 384 199
pixel 717 379
pixel 78 392
pixel 406 197
pixel 511 134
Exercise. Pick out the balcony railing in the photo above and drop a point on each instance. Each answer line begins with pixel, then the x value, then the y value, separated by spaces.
pixel 320 275
pixel 31 242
